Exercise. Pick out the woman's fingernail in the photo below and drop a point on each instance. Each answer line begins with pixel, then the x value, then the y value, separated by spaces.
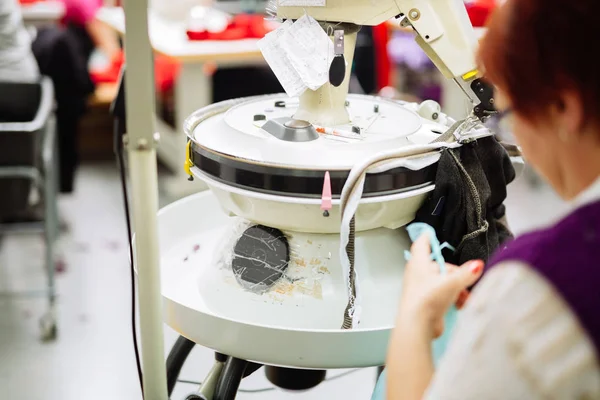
pixel 476 267
pixel 462 299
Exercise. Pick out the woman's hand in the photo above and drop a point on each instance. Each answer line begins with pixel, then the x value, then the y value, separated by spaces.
pixel 427 295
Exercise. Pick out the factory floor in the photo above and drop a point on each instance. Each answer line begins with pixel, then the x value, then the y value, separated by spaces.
pixel 93 356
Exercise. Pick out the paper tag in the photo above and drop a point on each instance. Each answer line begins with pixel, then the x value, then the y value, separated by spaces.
pixel 302 3
pixel 309 50
pixel 277 58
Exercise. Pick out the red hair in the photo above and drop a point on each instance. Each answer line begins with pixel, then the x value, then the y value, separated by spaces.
pixel 534 49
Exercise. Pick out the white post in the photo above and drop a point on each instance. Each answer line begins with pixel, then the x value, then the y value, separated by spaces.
pixel 141 145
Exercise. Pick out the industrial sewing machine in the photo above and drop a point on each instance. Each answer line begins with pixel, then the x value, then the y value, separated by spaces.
pixel 254 269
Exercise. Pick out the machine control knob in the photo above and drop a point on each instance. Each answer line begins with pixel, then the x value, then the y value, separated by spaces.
pixel 297 124
pixel 430 110
pixel 291 130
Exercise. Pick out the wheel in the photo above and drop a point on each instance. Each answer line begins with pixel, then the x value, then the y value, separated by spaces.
pixel 48 328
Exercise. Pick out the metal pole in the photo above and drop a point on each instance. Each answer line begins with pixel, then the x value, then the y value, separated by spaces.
pixel 141 146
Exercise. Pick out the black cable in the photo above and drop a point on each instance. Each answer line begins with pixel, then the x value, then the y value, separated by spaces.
pixel 118 147
pixel 269 389
pixel 230 379
pixel 251 368
pixel 177 356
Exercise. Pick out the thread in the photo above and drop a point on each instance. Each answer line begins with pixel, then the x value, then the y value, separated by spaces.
pixel 348 313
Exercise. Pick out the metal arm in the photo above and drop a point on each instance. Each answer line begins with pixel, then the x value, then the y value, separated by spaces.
pixel 445 33
pixel 443 28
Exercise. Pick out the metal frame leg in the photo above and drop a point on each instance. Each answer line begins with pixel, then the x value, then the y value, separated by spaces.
pixel 45 180
pixel 51 228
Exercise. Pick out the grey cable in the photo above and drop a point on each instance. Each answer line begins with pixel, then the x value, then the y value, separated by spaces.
pixel 446 137
pixel 270 389
pixel 347 324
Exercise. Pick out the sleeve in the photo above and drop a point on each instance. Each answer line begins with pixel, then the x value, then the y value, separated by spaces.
pixel 517 339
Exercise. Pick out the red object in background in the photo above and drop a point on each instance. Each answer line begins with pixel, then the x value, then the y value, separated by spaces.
pixel 243 26
pixel 29 1
pixel 167 69
pixel 165 72
pixel 480 10
pixel 383 65
pixel 111 73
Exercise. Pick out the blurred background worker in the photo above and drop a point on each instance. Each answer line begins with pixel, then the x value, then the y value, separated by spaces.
pixel 63 53
pixel 80 16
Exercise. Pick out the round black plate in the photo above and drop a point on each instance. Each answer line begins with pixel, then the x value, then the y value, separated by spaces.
pixel 260 258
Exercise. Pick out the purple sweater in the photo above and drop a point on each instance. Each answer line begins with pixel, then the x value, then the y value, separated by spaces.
pixel 567 256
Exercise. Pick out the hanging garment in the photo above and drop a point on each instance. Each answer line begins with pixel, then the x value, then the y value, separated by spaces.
pixel 466 207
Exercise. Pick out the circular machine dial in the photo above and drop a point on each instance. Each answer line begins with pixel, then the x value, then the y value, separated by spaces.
pixel 257 144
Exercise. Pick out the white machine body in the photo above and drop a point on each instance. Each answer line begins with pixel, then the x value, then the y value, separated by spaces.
pixel 174 250
pixel 233 135
pixel 305 215
pixel 258 179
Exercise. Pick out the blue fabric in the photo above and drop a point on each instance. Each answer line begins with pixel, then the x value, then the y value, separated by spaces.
pixel 439 345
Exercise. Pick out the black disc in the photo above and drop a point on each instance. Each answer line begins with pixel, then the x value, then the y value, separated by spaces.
pixel 306 183
pixel 260 258
pixel 294 379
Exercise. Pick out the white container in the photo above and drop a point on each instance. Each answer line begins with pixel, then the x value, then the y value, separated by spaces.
pixel 292 326
pixel 305 215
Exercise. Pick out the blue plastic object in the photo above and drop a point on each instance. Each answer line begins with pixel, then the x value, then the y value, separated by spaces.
pixel 438 346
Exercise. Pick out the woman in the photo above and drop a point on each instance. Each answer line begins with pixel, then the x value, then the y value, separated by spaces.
pixel 531 327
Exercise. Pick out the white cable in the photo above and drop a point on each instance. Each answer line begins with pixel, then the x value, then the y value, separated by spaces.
pixel 351 195
pixel 353 190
